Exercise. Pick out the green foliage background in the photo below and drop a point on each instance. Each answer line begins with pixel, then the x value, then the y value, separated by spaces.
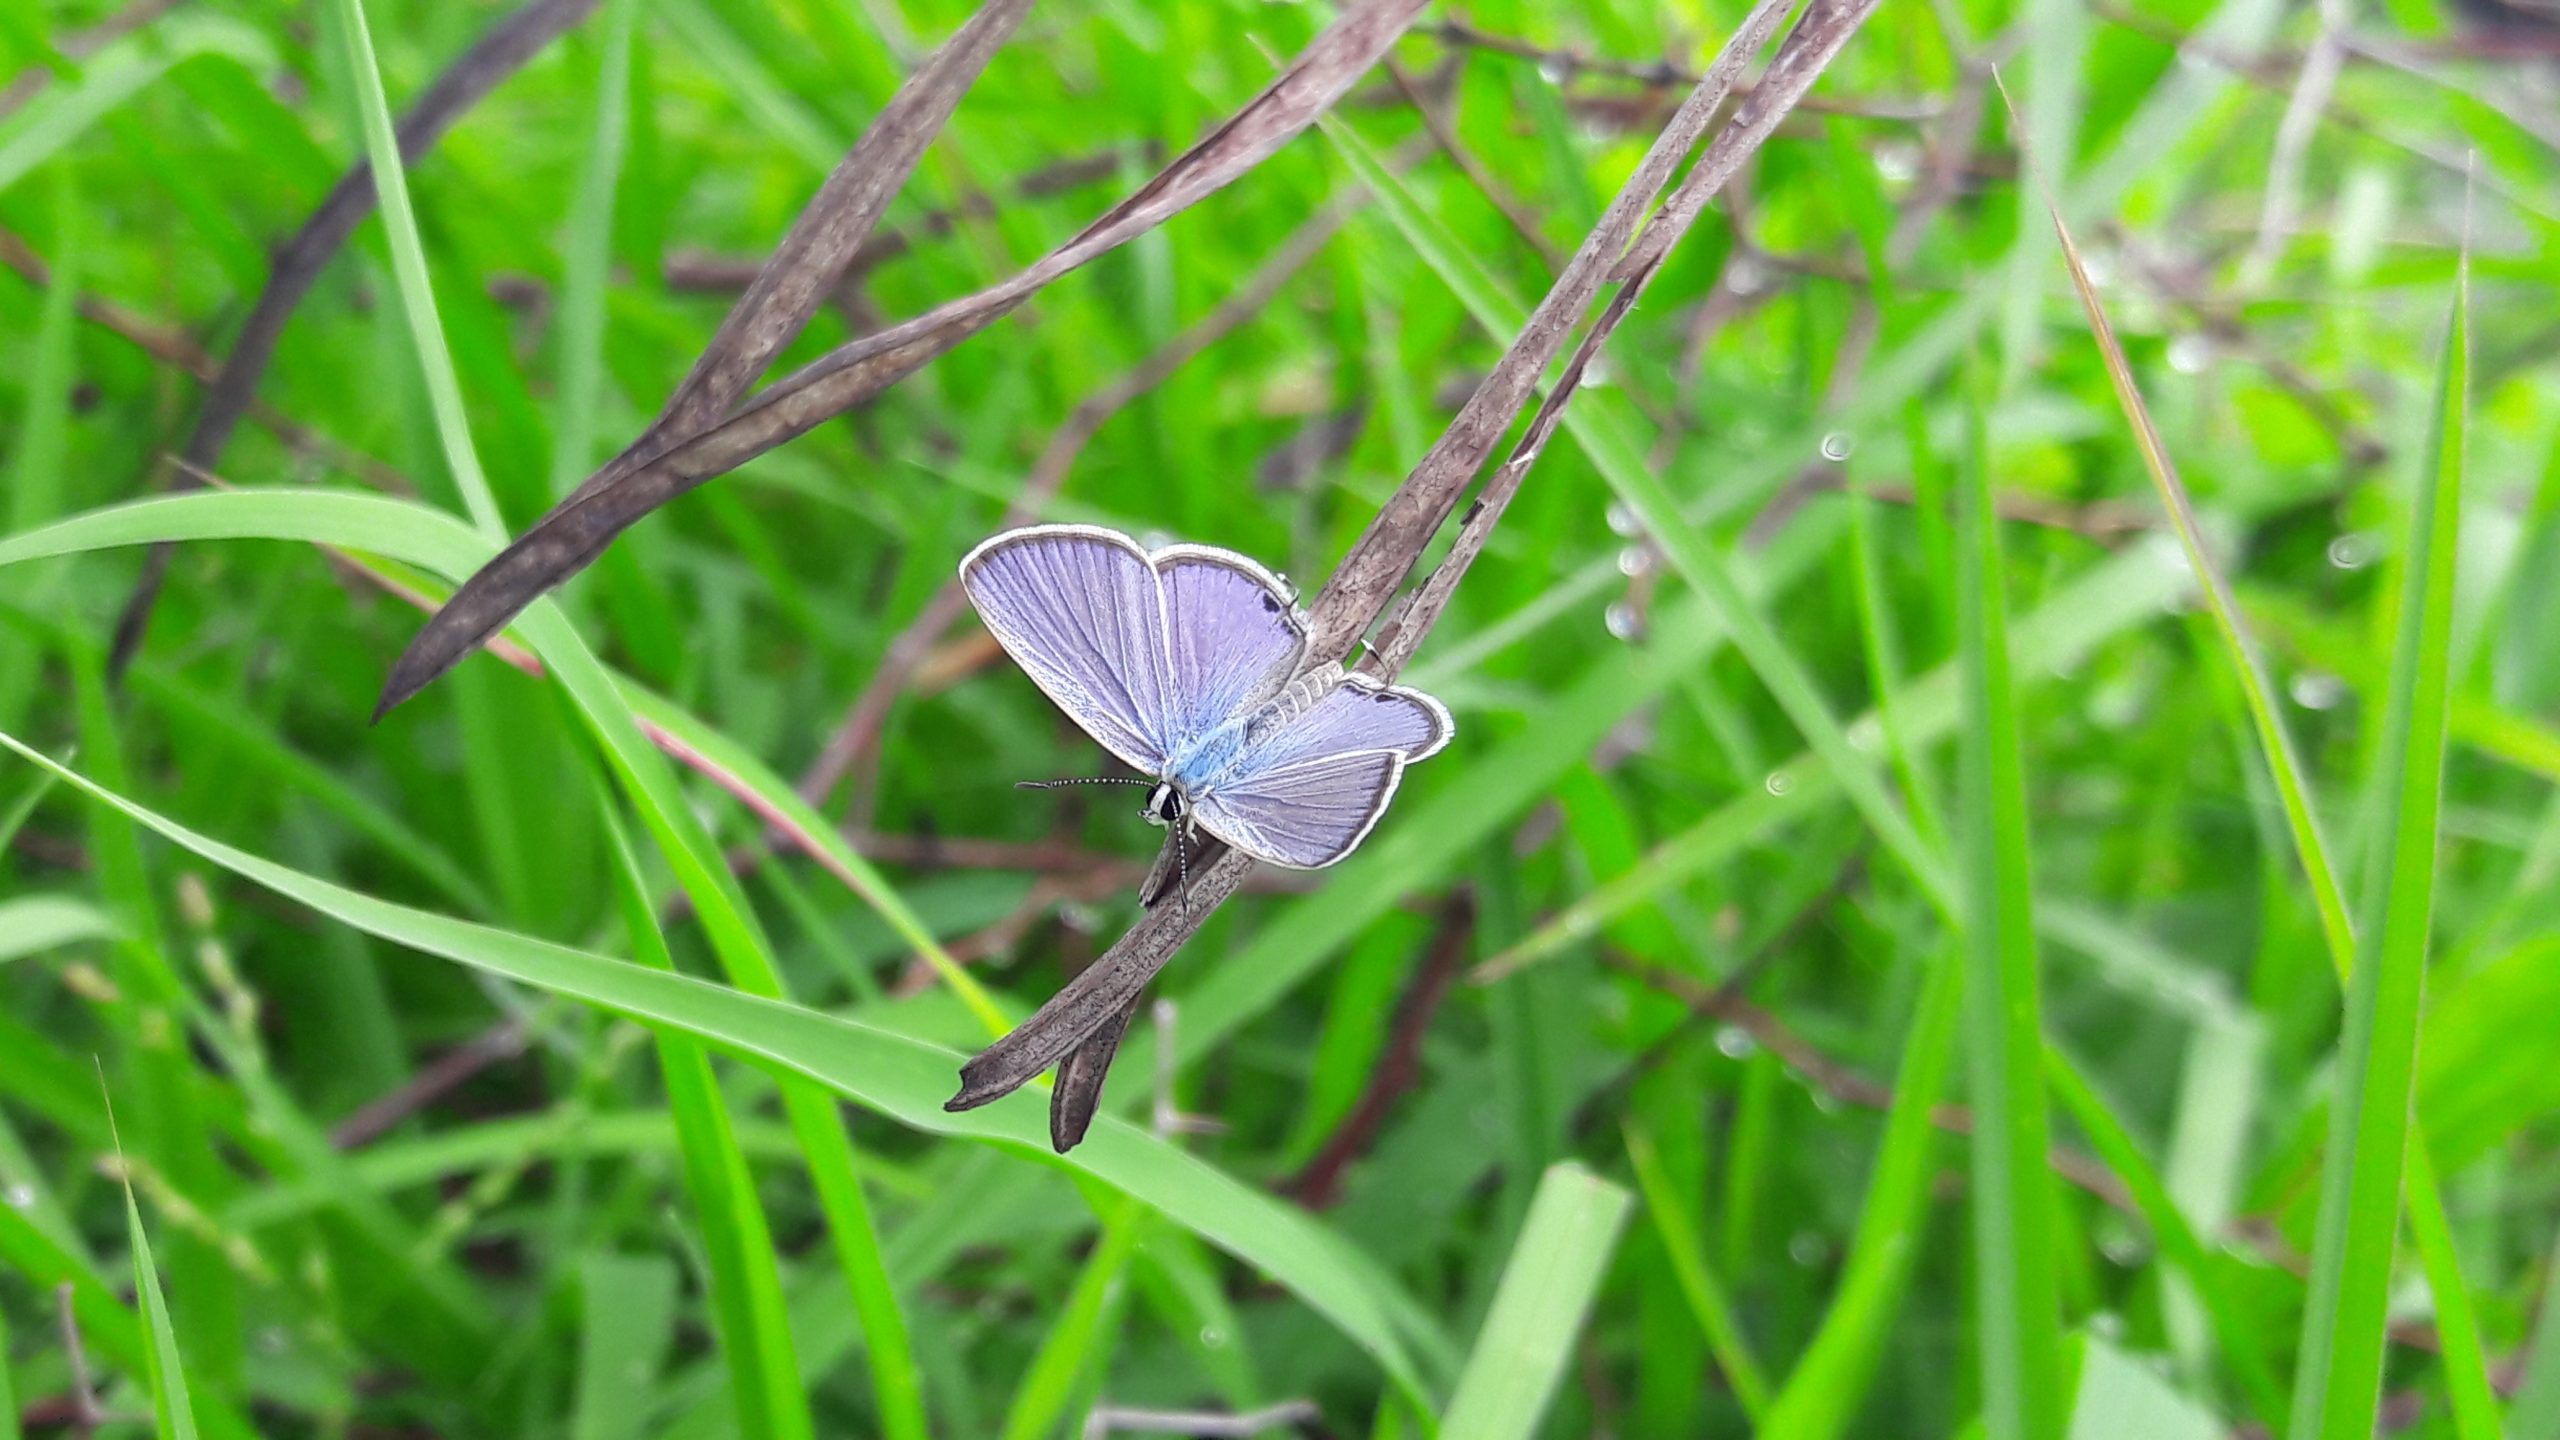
pixel 1850 755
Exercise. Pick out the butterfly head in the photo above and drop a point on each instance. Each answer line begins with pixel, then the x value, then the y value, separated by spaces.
pixel 1166 804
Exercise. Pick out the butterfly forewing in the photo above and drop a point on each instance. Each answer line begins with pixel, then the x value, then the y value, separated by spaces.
pixel 1081 611
pixel 1231 632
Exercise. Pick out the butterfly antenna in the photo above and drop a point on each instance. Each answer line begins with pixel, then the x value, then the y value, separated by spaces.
pixel 1079 780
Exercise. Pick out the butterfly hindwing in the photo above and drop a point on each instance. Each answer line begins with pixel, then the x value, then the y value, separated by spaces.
pixel 1305 815
pixel 1305 792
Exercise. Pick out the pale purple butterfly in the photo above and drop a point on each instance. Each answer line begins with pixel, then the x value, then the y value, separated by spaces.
pixel 1184 663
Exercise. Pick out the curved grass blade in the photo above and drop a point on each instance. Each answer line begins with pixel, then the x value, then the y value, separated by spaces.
pixel 1698 1285
pixel 898 1076
pixel 750 1317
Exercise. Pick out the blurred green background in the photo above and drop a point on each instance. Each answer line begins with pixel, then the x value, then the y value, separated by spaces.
pixel 1621 1085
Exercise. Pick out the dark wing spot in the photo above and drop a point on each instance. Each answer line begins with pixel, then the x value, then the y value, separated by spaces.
pixel 1270 603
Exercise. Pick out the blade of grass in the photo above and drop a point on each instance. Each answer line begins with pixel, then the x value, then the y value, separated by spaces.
pixel 679 833
pixel 2012 1192
pixel 166 1370
pixel 902 1077
pixel 2536 1407
pixel 586 269
pixel 1706 1298
pixel 629 1306
pixel 2338 1383
pixel 1078 1343
pixel 409 267
pixel 2237 1330
pixel 746 1286
pixel 2466 1366
pixel 1547 1288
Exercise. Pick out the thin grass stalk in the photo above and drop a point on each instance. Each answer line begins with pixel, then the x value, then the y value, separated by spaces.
pixel 2018 1296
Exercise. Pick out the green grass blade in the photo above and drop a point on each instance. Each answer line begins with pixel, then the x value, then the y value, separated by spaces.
pixel 2120 1396
pixel 2012 1196
pixel 588 267
pixel 166 1370
pixel 409 267
pixel 1079 1341
pixel 1521 1354
pixel 628 1307
pixel 2536 1407
pixel 2338 1384
pixel 902 1077
pixel 746 1284
pixel 2237 1331
pixel 2466 1364
pixel 1680 1240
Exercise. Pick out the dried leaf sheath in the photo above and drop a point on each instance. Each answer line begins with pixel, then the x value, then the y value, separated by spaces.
pixel 574 534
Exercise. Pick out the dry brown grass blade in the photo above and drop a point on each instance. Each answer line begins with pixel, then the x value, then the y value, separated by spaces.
pixel 1375 568
pixel 477 71
pixel 822 243
pixel 573 535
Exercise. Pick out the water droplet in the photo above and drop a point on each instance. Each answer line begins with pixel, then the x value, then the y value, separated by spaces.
pixel 2350 552
pixel 2107 1325
pixel 1624 622
pixel 2100 266
pixel 1635 560
pixel 2189 354
pixel 1212 1337
pixel 1805 1248
pixel 1596 373
pixel 1736 1042
pixel 22 1197
pixel 1779 782
pixel 1837 445
pixel 1554 71
pixel 2121 1249
pixel 1744 275
pixel 1623 522
pixel 1898 162
pixel 2318 690
pixel 1866 733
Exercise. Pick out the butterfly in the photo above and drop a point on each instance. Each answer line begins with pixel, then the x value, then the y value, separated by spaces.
pixel 1185 663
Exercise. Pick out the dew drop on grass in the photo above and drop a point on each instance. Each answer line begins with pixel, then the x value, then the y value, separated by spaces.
pixel 1837 445
pixel 1624 622
pixel 1779 782
pixel 2351 552
pixel 1805 1248
pixel 1635 560
pixel 1865 733
pixel 1736 1042
pixel 2189 354
pixel 1622 521
pixel 2317 690
pixel 1898 162
pixel 1211 1337
pixel 22 1197
pixel 1746 276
